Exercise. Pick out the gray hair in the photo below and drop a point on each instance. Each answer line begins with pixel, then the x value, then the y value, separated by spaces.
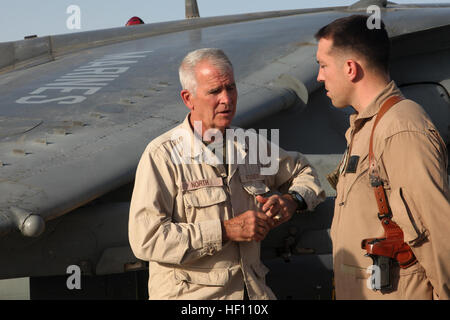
pixel 187 67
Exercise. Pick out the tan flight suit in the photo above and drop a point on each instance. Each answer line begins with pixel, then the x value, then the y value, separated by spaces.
pixel 176 213
pixel 412 160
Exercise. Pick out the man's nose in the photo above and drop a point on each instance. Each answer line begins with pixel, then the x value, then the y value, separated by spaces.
pixel 226 97
pixel 319 76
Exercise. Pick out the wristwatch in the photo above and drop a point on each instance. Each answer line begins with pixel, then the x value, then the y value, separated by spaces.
pixel 301 204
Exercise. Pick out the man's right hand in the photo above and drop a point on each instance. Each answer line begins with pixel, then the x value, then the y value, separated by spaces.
pixel 249 226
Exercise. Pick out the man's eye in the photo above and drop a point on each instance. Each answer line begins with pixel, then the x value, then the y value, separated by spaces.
pixel 214 91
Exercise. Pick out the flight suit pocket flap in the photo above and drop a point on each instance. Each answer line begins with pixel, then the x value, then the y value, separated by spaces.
pixel 260 270
pixel 250 172
pixel 204 197
pixel 256 187
pixel 252 180
pixel 207 277
pixel 405 215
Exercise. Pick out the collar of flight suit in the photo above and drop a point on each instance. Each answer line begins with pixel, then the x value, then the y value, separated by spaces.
pixel 357 120
pixel 196 138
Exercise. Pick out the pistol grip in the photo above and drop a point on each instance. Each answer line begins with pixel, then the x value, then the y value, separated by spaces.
pixel 380 279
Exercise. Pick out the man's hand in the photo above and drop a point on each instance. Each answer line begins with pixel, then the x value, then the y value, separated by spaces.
pixel 279 208
pixel 248 226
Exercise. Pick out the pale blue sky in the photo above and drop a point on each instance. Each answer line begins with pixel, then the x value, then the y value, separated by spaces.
pixel 19 18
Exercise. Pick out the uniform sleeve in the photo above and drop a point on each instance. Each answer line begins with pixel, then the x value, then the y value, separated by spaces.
pixel 297 174
pixel 152 233
pixel 416 165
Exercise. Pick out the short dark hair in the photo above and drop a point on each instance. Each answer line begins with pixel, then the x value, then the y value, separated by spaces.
pixel 352 33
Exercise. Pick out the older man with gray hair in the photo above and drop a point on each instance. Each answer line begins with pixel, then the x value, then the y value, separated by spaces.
pixel 200 223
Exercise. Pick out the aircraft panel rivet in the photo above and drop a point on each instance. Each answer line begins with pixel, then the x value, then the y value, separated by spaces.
pixel 19 152
pixel 41 140
pixel 96 115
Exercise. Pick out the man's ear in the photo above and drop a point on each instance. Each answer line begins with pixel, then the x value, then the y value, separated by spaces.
pixel 353 70
pixel 186 96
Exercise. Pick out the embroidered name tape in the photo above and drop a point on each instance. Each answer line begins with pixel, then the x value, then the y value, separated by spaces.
pixel 192 185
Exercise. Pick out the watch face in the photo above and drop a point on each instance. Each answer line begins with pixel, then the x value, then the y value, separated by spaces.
pixel 299 199
pixel 295 195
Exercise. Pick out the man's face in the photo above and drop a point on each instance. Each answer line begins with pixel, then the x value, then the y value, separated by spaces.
pixel 332 73
pixel 214 101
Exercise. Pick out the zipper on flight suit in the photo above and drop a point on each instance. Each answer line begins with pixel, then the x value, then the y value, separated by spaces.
pixel 340 197
pixel 226 176
pixel 343 165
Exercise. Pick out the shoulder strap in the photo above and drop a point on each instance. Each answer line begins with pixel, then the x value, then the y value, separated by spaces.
pixel 374 175
pixel 384 108
pixel 402 252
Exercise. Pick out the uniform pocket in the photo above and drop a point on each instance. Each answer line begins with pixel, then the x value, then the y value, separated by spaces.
pixel 256 187
pixel 204 197
pixel 206 277
pixel 252 180
pixel 350 179
pixel 405 214
pixel 207 203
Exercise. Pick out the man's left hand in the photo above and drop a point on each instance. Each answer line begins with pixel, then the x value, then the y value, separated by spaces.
pixel 279 207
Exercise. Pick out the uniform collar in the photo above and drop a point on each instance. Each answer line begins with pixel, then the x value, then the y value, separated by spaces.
pixel 357 119
pixel 197 145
